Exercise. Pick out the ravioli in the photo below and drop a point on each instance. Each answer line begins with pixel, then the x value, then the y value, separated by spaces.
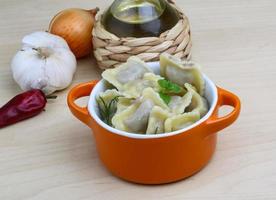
pixel 145 105
pixel 181 72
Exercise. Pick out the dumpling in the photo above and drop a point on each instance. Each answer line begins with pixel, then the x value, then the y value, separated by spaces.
pixel 178 104
pixel 134 89
pixel 134 118
pixel 139 119
pixel 107 102
pixel 181 121
pixel 156 120
pixel 198 103
pixel 181 72
pixel 149 93
pixel 123 103
pixel 132 70
pixel 151 80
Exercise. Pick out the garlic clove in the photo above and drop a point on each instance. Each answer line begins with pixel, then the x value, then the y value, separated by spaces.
pixel 61 77
pixel 23 72
pixel 44 39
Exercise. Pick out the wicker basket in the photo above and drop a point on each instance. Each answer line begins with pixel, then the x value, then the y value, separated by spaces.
pixel 110 50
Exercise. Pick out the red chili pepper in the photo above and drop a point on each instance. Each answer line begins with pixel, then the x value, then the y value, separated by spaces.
pixel 22 106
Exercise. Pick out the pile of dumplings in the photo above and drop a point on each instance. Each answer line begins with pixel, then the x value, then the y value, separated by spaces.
pixel 139 107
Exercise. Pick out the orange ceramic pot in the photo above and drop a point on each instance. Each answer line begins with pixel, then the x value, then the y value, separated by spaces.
pixel 161 158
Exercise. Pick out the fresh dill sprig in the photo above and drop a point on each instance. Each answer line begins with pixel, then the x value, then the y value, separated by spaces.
pixel 107 111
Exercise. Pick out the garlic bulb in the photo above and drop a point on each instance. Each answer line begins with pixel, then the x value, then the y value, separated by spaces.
pixel 45 62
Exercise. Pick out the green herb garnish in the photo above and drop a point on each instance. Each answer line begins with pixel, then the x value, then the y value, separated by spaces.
pixel 166 98
pixel 107 111
pixel 168 86
pixel 168 89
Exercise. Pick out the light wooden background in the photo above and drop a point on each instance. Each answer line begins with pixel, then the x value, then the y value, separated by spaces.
pixel 53 155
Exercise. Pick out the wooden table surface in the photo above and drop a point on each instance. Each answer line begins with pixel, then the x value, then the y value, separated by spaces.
pixel 53 155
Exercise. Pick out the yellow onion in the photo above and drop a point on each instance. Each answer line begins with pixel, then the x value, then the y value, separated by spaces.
pixel 75 26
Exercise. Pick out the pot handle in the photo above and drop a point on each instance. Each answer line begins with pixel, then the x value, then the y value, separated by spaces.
pixel 80 90
pixel 215 123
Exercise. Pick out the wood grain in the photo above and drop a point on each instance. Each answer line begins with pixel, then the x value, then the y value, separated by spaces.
pixel 53 156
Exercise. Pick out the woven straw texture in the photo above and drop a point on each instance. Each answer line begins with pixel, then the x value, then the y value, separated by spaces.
pixel 110 50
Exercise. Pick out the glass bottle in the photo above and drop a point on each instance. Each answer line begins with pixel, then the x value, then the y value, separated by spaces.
pixel 139 18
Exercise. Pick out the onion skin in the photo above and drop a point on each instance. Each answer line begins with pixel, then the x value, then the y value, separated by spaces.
pixel 75 26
